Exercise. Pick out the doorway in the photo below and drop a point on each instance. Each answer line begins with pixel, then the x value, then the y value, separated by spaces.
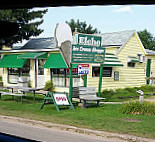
pixel 40 73
pixel 148 70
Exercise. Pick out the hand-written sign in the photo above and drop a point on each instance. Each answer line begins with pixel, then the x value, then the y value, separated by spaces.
pixel 61 99
pixel 87 54
pixel 88 49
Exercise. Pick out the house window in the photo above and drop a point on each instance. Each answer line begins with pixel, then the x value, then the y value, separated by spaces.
pixel 131 64
pixel 15 73
pixel 107 72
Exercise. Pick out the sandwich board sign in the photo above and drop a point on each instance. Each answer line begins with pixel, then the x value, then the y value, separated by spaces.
pixel 83 69
pixel 59 99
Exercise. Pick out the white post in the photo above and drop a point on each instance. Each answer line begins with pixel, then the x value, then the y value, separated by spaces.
pixel 141 97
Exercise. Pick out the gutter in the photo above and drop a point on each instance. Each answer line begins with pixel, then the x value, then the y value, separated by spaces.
pixel 29 50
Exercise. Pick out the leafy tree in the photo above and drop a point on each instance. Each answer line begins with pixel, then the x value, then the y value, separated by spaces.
pixel 147 39
pixel 82 27
pixel 28 21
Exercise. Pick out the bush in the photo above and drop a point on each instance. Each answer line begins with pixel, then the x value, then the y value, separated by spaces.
pixel 49 86
pixel 147 88
pixel 139 108
pixel 108 94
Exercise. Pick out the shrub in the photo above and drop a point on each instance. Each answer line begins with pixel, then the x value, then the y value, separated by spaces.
pixel 146 88
pixel 49 86
pixel 139 108
pixel 107 94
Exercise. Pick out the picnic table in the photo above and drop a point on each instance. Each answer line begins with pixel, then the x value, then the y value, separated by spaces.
pixel 89 94
pixel 12 94
pixel 24 89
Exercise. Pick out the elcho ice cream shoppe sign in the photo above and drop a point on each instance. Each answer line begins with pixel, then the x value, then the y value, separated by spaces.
pixel 88 49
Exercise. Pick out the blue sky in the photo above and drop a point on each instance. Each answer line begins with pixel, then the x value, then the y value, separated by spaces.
pixel 104 18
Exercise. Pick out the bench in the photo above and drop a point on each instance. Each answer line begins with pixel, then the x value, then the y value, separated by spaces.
pixel 12 94
pixel 89 94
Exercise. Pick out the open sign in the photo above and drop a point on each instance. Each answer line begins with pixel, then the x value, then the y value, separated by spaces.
pixel 61 99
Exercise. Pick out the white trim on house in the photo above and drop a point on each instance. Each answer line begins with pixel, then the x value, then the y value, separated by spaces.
pixel 134 32
pixel 29 50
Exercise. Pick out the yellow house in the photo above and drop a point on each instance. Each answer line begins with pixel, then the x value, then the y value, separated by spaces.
pixel 127 46
pixel 40 60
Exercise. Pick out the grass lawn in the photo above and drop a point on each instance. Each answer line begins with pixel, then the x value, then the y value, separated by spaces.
pixel 107 117
pixel 127 94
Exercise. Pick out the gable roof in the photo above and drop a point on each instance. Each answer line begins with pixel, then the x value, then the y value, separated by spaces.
pixel 119 39
pixel 39 43
pixel 150 52
pixel 116 38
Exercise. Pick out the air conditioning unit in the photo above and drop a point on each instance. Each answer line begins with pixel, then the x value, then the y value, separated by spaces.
pixel 141 58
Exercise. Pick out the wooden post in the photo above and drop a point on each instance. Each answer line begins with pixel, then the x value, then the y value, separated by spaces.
pixel 70 82
pixel 100 80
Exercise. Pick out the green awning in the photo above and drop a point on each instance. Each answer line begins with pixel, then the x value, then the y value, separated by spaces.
pixel 33 55
pixel 133 59
pixel 75 65
pixel 55 60
pixel 111 60
pixel 11 61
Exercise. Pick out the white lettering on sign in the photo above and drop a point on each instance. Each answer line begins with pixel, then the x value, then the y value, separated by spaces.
pixel 86 41
pixel 97 50
pixel 85 49
pixel 61 99
pixel 75 48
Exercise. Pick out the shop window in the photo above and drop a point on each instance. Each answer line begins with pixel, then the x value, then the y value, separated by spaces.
pixel 60 77
pixel 107 72
pixel 15 73
pixel 131 64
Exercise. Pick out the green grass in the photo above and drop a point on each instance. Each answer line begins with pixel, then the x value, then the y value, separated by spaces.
pixel 116 95
pixel 107 117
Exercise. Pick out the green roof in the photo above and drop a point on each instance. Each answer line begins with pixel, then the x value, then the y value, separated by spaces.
pixel 111 60
pixel 133 59
pixel 11 61
pixel 55 60
pixel 33 55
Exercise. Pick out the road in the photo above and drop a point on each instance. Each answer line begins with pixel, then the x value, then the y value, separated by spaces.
pixel 49 134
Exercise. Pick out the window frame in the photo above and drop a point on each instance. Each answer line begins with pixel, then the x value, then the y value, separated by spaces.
pixel 111 75
pixel 134 64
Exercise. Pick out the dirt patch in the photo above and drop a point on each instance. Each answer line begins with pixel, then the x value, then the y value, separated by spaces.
pixel 132 120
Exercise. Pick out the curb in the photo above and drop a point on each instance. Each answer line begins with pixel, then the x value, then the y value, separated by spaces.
pixel 129 138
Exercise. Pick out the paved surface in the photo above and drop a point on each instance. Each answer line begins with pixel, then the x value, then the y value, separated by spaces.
pixel 47 134
pixel 47 131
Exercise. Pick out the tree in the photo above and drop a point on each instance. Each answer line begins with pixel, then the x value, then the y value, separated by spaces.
pixel 26 19
pixel 147 39
pixel 82 27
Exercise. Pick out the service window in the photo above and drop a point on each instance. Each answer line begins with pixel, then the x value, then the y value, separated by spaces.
pixel 107 72
pixel 131 64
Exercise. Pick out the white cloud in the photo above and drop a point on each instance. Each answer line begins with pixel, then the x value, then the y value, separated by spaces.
pixel 126 9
